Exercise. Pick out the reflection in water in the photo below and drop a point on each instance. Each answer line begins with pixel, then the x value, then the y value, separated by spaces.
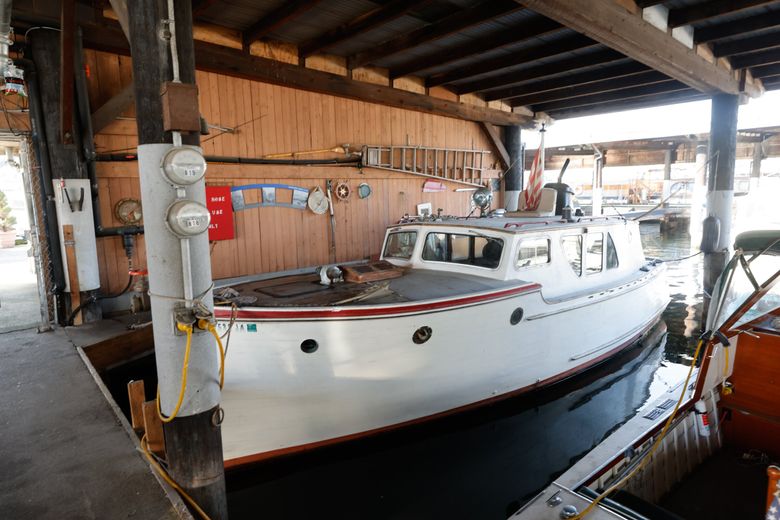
pixel 484 463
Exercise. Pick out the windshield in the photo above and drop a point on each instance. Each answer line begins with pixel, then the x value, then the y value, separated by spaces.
pixel 400 245
pixel 734 288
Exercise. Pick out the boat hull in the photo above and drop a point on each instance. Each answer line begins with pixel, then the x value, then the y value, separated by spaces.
pixel 368 374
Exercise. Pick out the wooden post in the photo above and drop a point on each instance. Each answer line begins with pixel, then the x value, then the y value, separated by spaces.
pixel 193 441
pixel 73 271
pixel 513 179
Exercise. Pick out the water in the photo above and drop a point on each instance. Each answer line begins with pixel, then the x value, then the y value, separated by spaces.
pixel 484 463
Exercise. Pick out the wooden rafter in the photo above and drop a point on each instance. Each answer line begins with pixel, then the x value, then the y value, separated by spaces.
pixel 704 11
pixel 539 71
pixel 766 71
pixel 288 11
pixel 631 104
pixel 201 6
pixel 610 72
pixel 606 85
pixel 750 44
pixel 451 24
pixel 518 57
pixel 528 29
pixel 744 26
pixel 611 24
pixel 365 22
pixel 755 59
pixel 664 87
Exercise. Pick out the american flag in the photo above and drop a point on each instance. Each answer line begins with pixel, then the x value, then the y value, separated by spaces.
pixel 773 513
pixel 533 192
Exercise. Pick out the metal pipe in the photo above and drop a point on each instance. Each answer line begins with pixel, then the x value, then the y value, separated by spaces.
pixel 243 160
pixel 5 33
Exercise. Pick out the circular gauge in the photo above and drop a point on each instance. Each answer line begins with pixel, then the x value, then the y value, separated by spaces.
pixel 128 211
pixel 318 202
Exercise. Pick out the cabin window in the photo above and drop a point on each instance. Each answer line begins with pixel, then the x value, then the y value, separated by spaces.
pixel 400 245
pixel 533 251
pixel 594 256
pixel 572 250
pixel 612 258
pixel 463 249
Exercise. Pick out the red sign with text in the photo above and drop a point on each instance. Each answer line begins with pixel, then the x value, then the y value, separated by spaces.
pixel 221 209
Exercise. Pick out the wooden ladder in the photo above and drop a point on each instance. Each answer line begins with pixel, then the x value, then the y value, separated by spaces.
pixel 452 164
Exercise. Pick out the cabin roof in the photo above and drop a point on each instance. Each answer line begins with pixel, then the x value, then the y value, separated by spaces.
pixel 514 225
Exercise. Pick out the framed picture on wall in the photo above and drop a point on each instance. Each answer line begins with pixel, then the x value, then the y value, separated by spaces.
pixel 425 209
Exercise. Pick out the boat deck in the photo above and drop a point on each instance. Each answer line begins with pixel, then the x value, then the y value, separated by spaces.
pixel 412 285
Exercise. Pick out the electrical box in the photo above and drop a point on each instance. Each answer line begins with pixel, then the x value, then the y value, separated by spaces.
pixel 180 107
pixel 73 200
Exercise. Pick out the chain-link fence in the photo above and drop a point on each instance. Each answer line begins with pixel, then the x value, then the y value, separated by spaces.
pixel 38 235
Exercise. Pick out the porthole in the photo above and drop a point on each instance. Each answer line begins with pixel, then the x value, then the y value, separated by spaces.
pixel 422 335
pixel 516 316
pixel 309 346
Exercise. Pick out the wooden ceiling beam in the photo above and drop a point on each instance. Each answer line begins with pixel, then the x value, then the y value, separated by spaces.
pixel 529 29
pixel 577 78
pixel 755 59
pixel 201 6
pixel 644 4
pixel 539 71
pixel 751 44
pixel 289 10
pixel 609 23
pixel 451 24
pixel 766 71
pixel 607 85
pixel 705 11
pixel 664 87
pixel 518 57
pixel 630 104
pixel 365 22
pixel 740 27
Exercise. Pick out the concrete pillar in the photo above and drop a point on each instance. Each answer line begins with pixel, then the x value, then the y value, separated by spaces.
pixel 699 197
pixel 597 190
pixel 513 180
pixel 755 167
pixel 720 183
pixel 179 269
pixel 667 187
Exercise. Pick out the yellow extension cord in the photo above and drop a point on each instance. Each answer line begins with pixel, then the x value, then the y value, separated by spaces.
pixel 184 370
pixel 646 458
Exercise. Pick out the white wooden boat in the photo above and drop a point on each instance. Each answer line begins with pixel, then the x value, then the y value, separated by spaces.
pixel 458 312
pixel 712 457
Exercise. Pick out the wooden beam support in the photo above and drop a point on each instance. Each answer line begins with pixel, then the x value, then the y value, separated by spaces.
pixel 578 78
pixel 750 44
pixel 746 25
pixel 120 10
pixel 67 75
pixel 226 61
pixel 491 132
pixel 530 28
pixel 451 24
pixel 365 22
pixel 565 65
pixel 766 71
pixel 223 60
pixel 706 10
pixel 607 85
pixel 113 108
pixel 607 22
pixel 518 57
pixel 683 96
pixel 755 59
pixel 286 12
pixel 201 6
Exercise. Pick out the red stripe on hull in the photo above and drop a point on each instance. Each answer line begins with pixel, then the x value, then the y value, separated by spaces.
pixel 250 459
pixel 361 312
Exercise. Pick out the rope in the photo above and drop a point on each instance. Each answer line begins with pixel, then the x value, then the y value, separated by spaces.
pixel 681 258
pixel 647 456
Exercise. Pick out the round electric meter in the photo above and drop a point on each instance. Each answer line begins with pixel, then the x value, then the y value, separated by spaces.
pixel 187 218
pixel 183 166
